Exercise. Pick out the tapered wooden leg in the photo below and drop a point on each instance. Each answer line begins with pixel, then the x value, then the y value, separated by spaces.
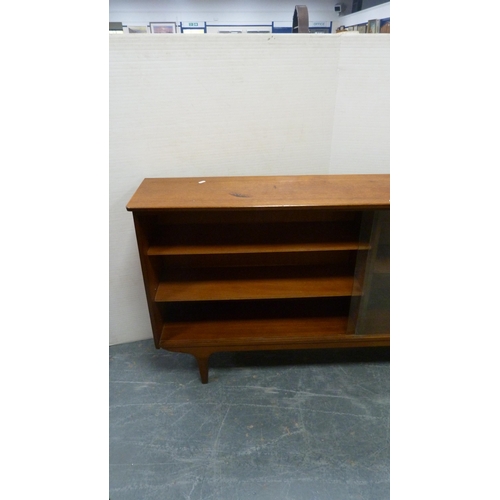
pixel 203 367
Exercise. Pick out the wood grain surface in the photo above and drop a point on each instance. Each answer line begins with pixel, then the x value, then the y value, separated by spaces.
pixel 343 191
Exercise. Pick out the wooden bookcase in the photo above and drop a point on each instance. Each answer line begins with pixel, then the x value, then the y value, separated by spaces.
pixel 261 263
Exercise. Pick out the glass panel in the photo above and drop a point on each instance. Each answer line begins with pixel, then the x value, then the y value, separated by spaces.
pixel 370 312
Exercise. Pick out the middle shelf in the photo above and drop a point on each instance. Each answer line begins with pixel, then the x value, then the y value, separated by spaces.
pixel 240 283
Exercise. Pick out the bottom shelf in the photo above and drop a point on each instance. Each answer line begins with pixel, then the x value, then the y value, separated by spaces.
pixel 255 325
pixel 251 332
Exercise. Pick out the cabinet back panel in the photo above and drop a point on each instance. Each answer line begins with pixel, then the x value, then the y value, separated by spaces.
pixel 341 259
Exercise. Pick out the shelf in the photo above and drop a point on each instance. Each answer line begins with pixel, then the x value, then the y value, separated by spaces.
pixel 255 322
pixel 205 239
pixel 254 283
pixel 253 331
pixel 255 248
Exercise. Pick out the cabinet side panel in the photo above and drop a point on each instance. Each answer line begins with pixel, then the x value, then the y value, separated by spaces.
pixel 144 228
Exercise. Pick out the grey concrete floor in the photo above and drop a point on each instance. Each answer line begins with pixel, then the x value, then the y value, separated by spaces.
pixel 292 425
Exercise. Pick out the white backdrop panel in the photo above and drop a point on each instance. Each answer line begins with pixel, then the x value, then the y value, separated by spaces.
pixel 235 105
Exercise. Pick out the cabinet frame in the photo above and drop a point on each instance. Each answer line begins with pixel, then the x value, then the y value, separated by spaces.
pixel 256 263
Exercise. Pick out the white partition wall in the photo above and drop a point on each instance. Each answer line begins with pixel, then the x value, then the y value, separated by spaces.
pixel 244 105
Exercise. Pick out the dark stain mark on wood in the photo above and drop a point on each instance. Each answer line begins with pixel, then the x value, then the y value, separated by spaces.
pixel 239 195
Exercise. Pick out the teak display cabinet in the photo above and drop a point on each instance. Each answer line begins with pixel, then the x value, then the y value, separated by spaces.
pixel 261 263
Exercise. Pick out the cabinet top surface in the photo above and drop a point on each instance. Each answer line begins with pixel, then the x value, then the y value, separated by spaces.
pixel 342 191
